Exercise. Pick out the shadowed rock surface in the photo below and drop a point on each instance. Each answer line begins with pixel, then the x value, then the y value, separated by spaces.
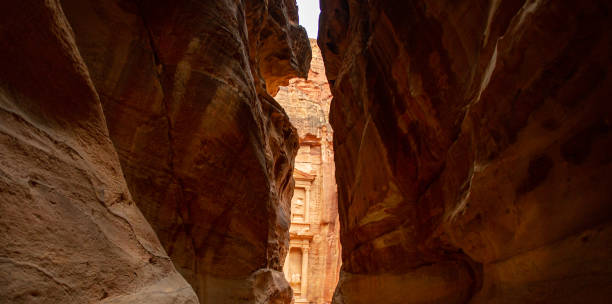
pixel 472 144
pixel 206 152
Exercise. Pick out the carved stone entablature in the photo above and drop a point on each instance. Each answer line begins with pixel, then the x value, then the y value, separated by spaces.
pixel 301 176
pixel 310 140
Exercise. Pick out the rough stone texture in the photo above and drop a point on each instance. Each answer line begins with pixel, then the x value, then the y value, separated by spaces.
pixel 472 144
pixel 314 229
pixel 307 101
pixel 207 153
pixel 69 229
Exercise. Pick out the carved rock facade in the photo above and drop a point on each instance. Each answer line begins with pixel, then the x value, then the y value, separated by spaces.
pixel 472 144
pixel 313 262
pixel 206 152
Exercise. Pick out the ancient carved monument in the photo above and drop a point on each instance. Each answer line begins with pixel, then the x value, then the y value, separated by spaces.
pixel 313 261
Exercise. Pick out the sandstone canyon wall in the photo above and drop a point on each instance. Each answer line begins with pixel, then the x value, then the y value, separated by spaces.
pixel 182 89
pixel 473 145
pixel 313 262
pixel 69 229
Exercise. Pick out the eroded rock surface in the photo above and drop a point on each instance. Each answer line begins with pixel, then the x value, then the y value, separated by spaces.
pixel 184 88
pixel 69 229
pixel 472 144
pixel 207 152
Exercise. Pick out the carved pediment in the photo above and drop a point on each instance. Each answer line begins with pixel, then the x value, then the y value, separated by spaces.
pixel 301 175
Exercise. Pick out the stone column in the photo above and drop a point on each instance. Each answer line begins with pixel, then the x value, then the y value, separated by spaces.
pixel 286 264
pixel 307 205
pixel 304 282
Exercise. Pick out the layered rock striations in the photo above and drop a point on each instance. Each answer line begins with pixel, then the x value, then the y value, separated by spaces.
pixel 184 88
pixel 69 229
pixel 472 145
pixel 312 265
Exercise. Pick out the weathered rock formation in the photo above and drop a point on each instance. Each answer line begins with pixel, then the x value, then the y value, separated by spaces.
pixel 69 229
pixel 312 265
pixel 206 152
pixel 473 148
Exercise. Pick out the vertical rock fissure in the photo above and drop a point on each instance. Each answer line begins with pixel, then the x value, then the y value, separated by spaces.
pixel 181 203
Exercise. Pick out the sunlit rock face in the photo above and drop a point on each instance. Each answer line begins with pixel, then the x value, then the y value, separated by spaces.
pixel 206 152
pixel 313 261
pixel 69 229
pixel 472 145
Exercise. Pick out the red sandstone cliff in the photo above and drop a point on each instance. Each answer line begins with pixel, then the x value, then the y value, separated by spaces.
pixel 69 229
pixel 472 143
pixel 206 152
